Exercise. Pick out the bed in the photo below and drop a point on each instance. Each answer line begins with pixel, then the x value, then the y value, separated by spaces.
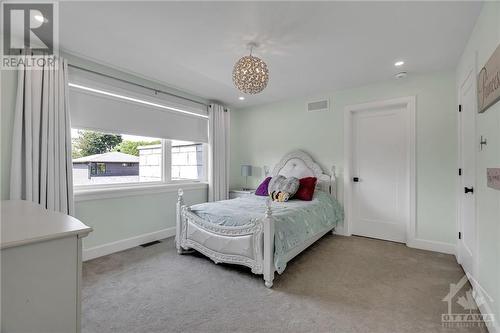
pixel 256 232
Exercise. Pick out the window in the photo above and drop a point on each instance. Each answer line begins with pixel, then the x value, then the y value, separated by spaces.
pixel 97 169
pixel 188 160
pixel 114 158
pixel 107 158
pixel 101 168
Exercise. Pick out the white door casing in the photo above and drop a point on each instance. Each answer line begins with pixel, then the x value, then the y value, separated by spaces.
pixel 466 246
pixel 379 141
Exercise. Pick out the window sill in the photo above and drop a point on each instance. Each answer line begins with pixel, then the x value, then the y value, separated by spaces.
pixel 97 193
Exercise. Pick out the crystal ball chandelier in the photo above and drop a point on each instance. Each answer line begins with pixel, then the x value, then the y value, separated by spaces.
pixel 250 74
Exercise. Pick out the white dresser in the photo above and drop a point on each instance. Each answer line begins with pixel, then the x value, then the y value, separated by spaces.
pixel 41 269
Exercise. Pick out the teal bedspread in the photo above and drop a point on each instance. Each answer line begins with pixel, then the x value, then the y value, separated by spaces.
pixel 295 221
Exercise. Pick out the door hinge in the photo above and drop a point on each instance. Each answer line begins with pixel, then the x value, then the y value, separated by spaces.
pixel 460 171
pixel 460 108
pixel 459 235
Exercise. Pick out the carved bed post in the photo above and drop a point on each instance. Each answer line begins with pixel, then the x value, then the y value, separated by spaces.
pixel 268 246
pixel 178 222
pixel 333 182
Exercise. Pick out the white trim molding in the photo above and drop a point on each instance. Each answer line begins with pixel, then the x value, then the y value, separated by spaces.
pixel 484 303
pixel 124 244
pixel 473 68
pixel 429 245
pixel 97 193
pixel 410 104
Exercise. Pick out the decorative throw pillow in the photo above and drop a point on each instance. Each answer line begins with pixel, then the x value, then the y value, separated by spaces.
pixel 306 188
pixel 262 189
pixel 286 186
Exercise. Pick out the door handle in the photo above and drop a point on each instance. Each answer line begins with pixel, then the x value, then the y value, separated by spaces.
pixel 468 190
pixel 355 179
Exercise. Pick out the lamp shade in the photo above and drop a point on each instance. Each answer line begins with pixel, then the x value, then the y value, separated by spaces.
pixel 246 170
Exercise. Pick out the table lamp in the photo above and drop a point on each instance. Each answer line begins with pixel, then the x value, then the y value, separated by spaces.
pixel 246 170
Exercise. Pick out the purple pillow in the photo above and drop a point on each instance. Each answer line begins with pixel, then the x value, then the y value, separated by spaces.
pixel 262 189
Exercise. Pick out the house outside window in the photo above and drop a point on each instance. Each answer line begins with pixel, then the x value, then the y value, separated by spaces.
pixel 188 160
pixel 150 158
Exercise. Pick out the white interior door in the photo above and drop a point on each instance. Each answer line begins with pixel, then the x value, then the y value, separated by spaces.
pixel 467 235
pixel 380 173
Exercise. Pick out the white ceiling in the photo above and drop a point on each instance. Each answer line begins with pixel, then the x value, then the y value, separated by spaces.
pixel 309 47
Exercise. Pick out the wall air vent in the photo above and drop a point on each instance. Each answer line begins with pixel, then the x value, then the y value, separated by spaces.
pixel 318 105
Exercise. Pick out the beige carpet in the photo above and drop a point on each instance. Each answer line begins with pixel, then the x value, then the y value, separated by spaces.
pixel 340 284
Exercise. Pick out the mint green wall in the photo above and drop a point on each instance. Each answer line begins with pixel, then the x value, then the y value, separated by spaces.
pixel 262 135
pixel 121 218
pixel 112 219
pixel 482 43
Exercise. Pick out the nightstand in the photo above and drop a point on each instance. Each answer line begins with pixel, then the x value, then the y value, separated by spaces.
pixel 240 193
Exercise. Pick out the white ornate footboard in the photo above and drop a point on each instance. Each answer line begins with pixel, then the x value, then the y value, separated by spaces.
pixel 250 245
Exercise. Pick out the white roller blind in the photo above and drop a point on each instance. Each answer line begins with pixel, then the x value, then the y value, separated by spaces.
pixel 105 104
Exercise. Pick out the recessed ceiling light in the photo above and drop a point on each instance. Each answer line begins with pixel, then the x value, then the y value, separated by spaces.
pixel 241 98
pixel 399 63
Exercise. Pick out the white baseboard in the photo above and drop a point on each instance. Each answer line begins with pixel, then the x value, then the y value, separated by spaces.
pixel 124 244
pixel 423 244
pixel 485 307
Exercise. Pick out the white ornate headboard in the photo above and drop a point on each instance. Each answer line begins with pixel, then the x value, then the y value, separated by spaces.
pixel 299 164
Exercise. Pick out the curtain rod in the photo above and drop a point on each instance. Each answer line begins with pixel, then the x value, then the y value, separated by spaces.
pixel 137 84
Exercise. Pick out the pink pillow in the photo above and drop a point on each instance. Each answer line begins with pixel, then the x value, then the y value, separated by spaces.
pixel 262 189
pixel 306 188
